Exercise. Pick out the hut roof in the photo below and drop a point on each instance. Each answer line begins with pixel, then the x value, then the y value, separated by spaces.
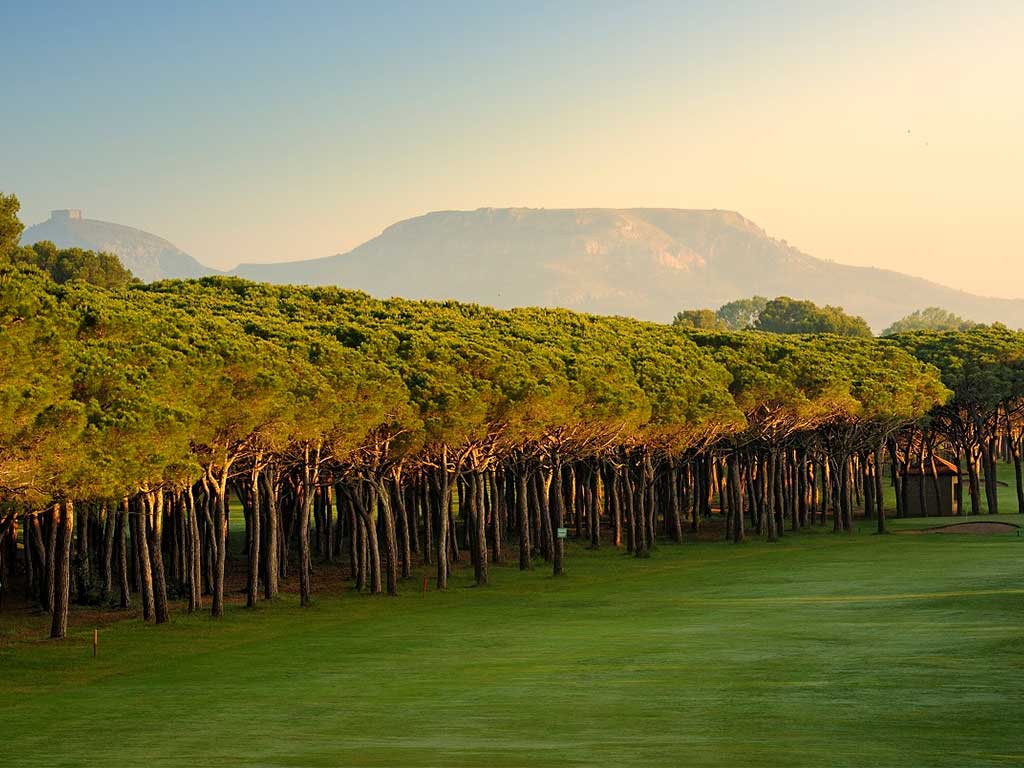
pixel 942 467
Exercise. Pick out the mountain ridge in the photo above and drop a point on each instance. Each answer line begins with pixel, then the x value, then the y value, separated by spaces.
pixel 641 262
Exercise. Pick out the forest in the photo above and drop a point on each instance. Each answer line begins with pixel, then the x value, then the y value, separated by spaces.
pixel 139 421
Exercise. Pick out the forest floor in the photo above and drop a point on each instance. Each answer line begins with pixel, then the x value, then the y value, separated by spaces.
pixel 820 649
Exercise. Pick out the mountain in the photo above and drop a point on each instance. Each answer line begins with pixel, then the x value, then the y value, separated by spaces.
pixel 148 257
pixel 643 262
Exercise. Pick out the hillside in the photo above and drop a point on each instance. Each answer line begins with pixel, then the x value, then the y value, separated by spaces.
pixel 641 262
pixel 646 263
pixel 148 257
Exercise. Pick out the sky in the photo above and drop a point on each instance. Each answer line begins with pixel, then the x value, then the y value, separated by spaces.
pixel 875 133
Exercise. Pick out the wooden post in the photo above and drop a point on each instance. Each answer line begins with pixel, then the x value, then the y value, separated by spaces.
pixel 95 642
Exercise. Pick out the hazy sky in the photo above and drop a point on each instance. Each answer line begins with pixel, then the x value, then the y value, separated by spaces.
pixel 885 133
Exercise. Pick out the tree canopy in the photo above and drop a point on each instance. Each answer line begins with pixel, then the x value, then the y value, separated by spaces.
pixel 779 315
pixel 10 226
pixel 929 319
pixel 702 319
pixel 67 264
pixel 786 315
pixel 742 314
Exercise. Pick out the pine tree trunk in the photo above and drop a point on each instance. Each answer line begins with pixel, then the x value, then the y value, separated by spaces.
pixel 523 519
pixel 675 509
pixel 837 495
pixel 305 509
pixel 652 502
pixel 803 510
pixel 412 517
pixel 594 502
pixel 145 572
pixel 640 513
pixel 427 511
pixel 38 548
pixel 218 543
pixel 191 547
pixel 769 514
pixel 390 539
pixel 402 522
pixel 988 455
pixel 497 509
pixel 80 554
pixel 629 507
pixel 879 490
pixel 272 515
pixel 736 487
pixel 693 479
pixel 974 481
pixel 122 535
pixel 357 547
pixel 62 569
pixel 109 526
pixel 329 522
pixel 869 487
pixel 779 483
pixel 537 542
pixel 1018 473
pixel 52 536
pixel 30 560
pixel 613 489
pixel 155 506
pixel 845 495
pixel 443 491
pixel 252 574
pixel 556 515
pixel 476 487
pixel 542 488
pixel 922 489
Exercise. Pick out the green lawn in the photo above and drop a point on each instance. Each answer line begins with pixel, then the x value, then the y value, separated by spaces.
pixel 819 650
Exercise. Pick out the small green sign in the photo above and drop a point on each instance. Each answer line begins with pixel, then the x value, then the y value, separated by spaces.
pixel 563 533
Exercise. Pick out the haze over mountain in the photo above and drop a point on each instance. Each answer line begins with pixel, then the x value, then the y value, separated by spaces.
pixel 148 257
pixel 643 262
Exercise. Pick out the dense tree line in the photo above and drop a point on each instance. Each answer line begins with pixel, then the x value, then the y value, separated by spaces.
pixel 779 315
pixel 785 315
pixel 138 419
pixel 345 425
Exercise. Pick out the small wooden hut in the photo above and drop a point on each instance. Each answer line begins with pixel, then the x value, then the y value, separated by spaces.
pixel 939 489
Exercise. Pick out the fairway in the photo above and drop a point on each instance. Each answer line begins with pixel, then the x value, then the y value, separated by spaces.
pixel 818 650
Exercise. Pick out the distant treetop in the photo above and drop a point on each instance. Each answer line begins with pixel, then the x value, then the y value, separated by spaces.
pixel 67 264
pixel 700 319
pixel 930 319
pixel 779 315
pixel 786 315
pixel 740 315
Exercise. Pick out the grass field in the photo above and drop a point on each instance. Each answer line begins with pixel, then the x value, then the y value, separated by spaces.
pixel 819 650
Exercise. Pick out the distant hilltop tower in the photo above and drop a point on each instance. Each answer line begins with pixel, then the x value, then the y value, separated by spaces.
pixel 66 214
